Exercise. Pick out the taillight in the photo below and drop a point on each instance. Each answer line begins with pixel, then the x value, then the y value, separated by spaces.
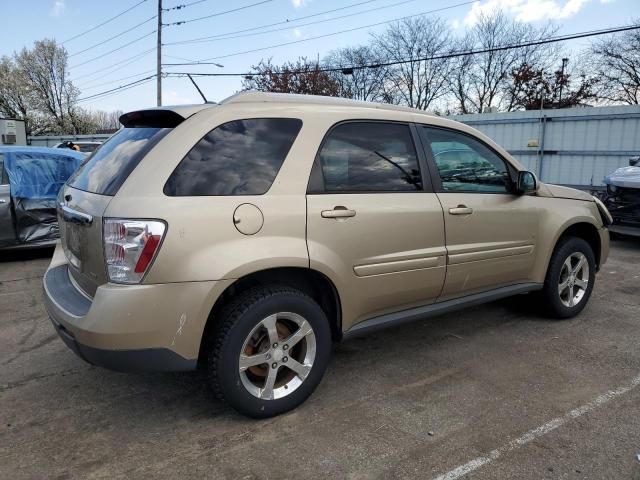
pixel 130 246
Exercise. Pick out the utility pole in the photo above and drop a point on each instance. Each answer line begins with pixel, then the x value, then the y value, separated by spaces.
pixel 564 64
pixel 159 55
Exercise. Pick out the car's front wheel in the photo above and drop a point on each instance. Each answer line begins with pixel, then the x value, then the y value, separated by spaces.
pixel 270 350
pixel 570 278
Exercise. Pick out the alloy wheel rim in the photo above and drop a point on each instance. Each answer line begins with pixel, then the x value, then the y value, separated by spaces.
pixel 574 279
pixel 277 356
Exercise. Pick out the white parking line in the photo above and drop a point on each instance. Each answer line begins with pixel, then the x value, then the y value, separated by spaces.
pixel 476 463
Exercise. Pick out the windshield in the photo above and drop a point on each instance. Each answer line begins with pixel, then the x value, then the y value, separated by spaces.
pixel 107 169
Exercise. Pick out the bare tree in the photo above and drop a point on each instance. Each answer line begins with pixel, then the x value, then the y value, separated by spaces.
pixel 616 62
pixel 106 120
pixel 359 76
pixel 301 76
pixel 44 69
pixel 481 79
pixel 417 83
pixel 531 89
pixel 16 101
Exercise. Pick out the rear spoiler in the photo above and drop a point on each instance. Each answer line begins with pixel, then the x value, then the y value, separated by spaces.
pixel 155 118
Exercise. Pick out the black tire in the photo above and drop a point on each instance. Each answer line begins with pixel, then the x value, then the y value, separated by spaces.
pixel 236 322
pixel 552 302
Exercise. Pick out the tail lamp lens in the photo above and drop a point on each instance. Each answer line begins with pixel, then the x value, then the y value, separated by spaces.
pixel 130 246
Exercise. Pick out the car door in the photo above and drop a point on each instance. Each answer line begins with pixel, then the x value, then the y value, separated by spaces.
pixel 491 231
pixel 7 232
pixel 374 225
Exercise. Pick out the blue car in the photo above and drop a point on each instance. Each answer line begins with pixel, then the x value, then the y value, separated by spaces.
pixel 30 179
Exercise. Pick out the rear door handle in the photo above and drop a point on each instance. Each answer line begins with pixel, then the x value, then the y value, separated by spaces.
pixel 461 210
pixel 338 212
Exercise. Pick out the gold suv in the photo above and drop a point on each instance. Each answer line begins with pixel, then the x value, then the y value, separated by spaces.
pixel 249 236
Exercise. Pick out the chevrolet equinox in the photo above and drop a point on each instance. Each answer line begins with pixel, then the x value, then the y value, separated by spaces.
pixel 247 237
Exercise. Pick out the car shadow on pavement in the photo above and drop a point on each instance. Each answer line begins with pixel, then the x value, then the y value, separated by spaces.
pixel 22 255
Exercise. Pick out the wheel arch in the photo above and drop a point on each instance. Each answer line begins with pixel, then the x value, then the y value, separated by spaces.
pixel 312 282
pixel 586 231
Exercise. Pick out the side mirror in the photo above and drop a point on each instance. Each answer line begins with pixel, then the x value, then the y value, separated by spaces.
pixel 527 182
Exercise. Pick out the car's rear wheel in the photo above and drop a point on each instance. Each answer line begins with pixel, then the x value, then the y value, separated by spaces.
pixel 570 278
pixel 270 350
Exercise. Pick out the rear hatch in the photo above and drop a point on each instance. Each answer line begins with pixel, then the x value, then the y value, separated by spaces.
pixel 83 201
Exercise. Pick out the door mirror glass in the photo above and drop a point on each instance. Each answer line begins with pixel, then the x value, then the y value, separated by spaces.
pixel 527 182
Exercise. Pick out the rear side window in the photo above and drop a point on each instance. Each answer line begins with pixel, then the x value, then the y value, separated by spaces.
pixel 107 169
pixel 241 157
pixel 372 156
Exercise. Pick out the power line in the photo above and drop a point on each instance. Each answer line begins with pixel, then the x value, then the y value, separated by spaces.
pixel 181 22
pixel 114 50
pixel 116 92
pixel 112 38
pixel 184 5
pixel 104 23
pixel 396 4
pixel 203 61
pixel 122 64
pixel 194 40
pixel 121 87
pixel 454 54
pixel 177 58
pixel 109 82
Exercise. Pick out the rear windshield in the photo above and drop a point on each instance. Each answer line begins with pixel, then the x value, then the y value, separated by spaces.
pixel 107 169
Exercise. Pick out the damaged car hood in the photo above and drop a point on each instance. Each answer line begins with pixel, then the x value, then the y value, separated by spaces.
pixel 627 177
pixel 556 191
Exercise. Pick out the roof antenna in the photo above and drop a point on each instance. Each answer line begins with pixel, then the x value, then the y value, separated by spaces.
pixel 198 88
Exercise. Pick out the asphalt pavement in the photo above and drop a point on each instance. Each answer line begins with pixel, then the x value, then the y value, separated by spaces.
pixel 494 392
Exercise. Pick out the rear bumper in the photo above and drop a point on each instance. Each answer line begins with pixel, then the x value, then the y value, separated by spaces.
pixel 131 327
pixel 142 360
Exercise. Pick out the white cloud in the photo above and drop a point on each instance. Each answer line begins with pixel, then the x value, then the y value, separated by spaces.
pixel 527 10
pixel 297 33
pixel 300 3
pixel 607 1
pixel 58 8
pixel 455 24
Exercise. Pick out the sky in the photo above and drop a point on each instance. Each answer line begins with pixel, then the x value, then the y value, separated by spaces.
pixel 100 68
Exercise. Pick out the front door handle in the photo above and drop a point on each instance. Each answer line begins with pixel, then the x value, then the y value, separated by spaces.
pixel 2 200
pixel 461 210
pixel 338 212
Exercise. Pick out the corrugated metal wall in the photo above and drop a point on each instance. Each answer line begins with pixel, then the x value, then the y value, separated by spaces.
pixel 52 140
pixel 576 146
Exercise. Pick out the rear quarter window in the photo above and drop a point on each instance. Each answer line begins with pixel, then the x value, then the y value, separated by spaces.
pixel 241 157
pixel 106 170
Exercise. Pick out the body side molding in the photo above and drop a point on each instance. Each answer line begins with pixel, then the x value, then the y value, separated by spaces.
pixel 434 309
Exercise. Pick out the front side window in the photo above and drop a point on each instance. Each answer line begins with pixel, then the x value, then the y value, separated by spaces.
pixel 107 169
pixel 4 178
pixel 241 157
pixel 465 164
pixel 369 156
pixel 40 175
